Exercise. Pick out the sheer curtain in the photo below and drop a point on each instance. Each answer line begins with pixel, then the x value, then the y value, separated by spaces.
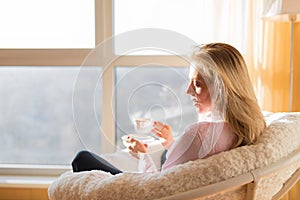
pixel 203 21
pixel 268 59
pixel 230 22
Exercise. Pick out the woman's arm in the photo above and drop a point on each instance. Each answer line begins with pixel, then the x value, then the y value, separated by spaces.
pixel 184 149
pixel 201 140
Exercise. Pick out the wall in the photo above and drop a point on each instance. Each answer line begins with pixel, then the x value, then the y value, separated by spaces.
pixel 23 194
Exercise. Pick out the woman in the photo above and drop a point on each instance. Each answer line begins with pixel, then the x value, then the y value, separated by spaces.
pixel 229 115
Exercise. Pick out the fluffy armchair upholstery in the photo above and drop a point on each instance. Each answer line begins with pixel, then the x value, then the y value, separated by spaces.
pixel 280 139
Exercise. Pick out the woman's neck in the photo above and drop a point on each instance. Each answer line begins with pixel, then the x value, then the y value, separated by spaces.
pixel 210 117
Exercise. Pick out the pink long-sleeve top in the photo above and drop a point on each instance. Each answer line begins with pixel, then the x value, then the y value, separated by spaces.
pixel 200 140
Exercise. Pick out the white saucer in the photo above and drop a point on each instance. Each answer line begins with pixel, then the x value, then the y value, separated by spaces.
pixel 144 138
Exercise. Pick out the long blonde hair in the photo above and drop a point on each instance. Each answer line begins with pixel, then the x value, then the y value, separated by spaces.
pixel 224 67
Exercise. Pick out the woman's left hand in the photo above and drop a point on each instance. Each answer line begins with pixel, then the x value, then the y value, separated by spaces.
pixel 136 147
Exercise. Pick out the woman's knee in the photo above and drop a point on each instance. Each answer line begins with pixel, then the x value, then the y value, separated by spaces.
pixel 80 160
pixel 82 155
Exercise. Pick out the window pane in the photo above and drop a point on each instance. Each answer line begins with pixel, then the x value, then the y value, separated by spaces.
pixel 47 24
pixel 203 21
pixel 39 114
pixel 155 92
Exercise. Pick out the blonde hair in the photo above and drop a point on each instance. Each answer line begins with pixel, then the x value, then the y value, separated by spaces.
pixel 223 67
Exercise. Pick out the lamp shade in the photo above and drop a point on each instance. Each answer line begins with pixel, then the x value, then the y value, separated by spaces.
pixel 280 10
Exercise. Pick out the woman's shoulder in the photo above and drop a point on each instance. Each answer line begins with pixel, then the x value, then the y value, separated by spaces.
pixel 198 125
pixel 202 124
pixel 203 127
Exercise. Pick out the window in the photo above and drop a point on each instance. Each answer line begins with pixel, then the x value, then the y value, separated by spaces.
pixel 47 24
pixel 48 114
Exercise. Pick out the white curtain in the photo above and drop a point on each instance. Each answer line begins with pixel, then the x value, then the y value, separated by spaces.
pixel 203 21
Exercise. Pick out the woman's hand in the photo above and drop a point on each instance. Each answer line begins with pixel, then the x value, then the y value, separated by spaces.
pixel 136 147
pixel 164 132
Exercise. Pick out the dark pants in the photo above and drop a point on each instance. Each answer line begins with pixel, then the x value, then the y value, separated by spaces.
pixel 163 157
pixel 87 161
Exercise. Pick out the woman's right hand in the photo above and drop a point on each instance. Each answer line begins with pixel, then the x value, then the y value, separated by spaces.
pixel 164 132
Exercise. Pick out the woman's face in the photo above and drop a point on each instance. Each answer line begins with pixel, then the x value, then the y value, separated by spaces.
pixel 198 91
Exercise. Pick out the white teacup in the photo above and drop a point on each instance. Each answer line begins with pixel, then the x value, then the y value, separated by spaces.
pixel 143 125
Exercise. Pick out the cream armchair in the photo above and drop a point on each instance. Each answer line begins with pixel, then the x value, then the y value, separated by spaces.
pixel 263 171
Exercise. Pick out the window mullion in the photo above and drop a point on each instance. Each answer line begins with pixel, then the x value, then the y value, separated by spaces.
pixel 103 33
pixel 108 120
pixel 172 61
pixel 42 57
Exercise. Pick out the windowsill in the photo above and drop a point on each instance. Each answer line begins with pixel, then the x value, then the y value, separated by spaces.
pixel 25 181
pixel 34 170
pixel 29 176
